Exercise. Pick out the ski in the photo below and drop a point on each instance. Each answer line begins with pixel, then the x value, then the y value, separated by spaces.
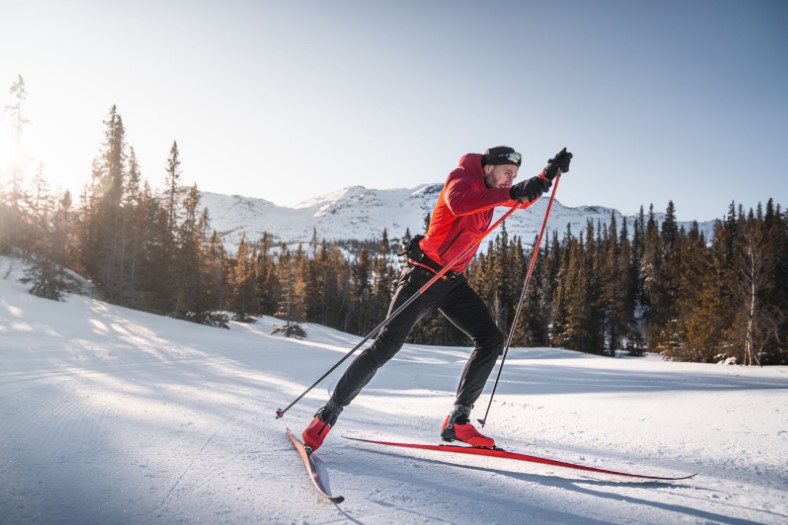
pixel 311 469
pixel 501 453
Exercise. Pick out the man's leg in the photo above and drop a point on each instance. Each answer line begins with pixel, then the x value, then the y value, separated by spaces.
pixel 386 345
pixel 467 311
pixel 393 336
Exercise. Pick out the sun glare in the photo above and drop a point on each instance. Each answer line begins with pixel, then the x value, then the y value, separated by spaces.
pixel 6 149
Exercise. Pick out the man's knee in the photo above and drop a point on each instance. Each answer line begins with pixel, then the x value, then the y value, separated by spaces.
pixel 378 355
pixel 491 342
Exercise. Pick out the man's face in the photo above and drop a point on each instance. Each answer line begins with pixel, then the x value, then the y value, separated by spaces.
pixel 500 176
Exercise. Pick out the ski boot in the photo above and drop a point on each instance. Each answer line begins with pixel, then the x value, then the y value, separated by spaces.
pixel 457 426
pixel 318 429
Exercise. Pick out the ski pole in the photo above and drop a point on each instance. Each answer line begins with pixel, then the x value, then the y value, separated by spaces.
pixel 281 412
pixel 531 267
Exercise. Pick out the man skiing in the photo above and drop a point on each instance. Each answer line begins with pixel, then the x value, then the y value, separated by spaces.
pixel 464 210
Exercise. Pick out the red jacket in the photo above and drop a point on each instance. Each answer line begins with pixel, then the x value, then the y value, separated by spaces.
pixel 463 212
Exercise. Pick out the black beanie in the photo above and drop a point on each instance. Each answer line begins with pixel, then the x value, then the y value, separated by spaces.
pixel 501 155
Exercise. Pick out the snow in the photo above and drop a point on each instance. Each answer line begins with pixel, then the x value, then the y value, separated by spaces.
pixel 362 214
pixel 111 415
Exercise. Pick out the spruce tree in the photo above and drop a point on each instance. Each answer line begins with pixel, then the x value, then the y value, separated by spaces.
pixel 15 222
pixel 292 302
pixel 188 302
pixel 242 283
pixel 362 269
pixel 215 268
pixel 575 332
pixel 754 271
pixel 533 322
pixel 650 265
pixel 102 239
pixel 698 304
pixel 266 283
pixel 382 282
pixel 609 280
pixel 627 299
pixel 134 225
pixel 46 275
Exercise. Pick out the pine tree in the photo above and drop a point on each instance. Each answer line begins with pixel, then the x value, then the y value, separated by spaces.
pixel 102 239
pixel 215 271
pixel 382 287
pixel 723 260
pixel 626 304
pixel 187 283
pixel 338 283
pixel 15 111
pixel 776 242
pixel 650 265
pixel 291 275
pixel 596 313
pixel 549 283
pixel 608 271
pixel 560 302
pixel 242 283
pixel 638 259
pixel 152 269
pixel 316 281
pixel 15 222
pixel 359 320
pixel 665 324
pixel 266 282
pixel 46 274
pixel 503 300
pixel 171 184
pixel 134 228
pixel 166 234
pixel 754 270
pixel 576 333
pixel 533 322
pixel 698 304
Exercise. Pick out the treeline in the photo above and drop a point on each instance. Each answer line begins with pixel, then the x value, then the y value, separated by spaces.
pixel 651 286
pixel 140 249
pixel 645 286
pixel 155 251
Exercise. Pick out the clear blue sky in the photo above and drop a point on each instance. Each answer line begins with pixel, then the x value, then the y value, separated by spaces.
pixel 670 100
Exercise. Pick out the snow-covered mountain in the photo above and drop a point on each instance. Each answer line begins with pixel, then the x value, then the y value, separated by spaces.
pixel 359 213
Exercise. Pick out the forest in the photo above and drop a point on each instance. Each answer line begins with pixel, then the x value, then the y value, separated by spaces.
pixel 639 286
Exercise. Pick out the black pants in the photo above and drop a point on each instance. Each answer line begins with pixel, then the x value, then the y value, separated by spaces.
pixel 460 304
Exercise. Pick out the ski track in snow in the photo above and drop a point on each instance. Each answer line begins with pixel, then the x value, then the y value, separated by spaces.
pixel 115 416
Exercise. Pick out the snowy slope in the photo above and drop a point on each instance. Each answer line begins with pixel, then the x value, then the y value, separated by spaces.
pixel 111 415
pixel 361 213
pixel 352 213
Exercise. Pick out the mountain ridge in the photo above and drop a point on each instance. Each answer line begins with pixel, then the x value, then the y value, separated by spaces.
pixel 358 213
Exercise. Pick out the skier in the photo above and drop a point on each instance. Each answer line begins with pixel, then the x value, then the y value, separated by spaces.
pixel 463 211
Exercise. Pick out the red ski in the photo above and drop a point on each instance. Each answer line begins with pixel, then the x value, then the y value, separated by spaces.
pixel 311 468
pixel 501 453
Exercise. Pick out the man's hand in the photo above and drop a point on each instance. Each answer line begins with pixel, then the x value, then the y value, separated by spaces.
pixel 559 162
pixel 530 189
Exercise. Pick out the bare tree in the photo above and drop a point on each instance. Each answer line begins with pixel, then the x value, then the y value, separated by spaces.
pixel 755 322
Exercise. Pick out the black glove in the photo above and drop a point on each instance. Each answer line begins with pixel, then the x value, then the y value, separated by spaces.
pixel 529 189
pixel 559 162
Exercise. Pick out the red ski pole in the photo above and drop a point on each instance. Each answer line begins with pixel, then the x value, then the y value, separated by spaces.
pixel 531 267
pixel 281 411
